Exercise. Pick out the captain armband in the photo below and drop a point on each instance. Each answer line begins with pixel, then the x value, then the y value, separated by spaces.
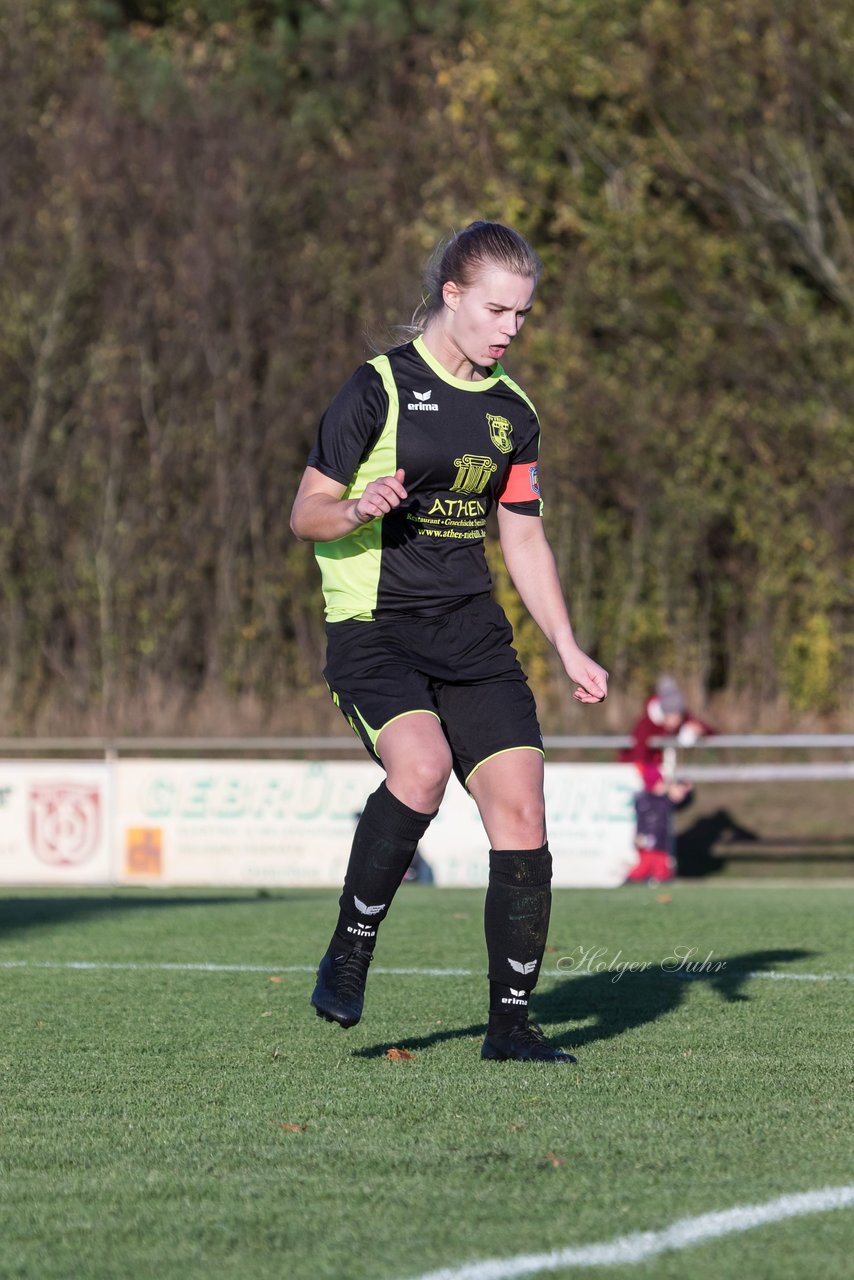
pixel 521 485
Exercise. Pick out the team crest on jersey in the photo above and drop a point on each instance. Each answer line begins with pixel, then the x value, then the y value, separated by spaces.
pixel 473 472
pixel 499 432
pixel 534 475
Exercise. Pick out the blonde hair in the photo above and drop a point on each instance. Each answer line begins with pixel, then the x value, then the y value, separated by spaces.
pixel 463 255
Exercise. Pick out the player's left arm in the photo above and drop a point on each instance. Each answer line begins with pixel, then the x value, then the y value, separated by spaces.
pixel 531 565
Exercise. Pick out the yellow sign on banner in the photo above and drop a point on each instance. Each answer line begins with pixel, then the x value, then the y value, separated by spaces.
pixel 144 851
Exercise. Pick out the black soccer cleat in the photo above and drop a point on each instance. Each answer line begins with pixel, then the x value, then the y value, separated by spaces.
pixel 523 1043
pixel 339 995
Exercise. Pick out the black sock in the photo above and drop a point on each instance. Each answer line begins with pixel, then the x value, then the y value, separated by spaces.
pixel 516 923
pixel 383 847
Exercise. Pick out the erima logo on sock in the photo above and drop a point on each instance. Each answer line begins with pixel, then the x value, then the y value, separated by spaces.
pixel 422 398
pixel 522 966
pixel 361 931
pixel 515 997
pixel 365 910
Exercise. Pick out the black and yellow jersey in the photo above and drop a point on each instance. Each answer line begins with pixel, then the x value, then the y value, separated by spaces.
pixel 463 445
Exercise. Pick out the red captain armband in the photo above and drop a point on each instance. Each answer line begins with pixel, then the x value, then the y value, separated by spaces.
pixel 522 483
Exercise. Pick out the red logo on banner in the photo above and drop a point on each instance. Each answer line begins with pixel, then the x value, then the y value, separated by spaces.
pixel 65 822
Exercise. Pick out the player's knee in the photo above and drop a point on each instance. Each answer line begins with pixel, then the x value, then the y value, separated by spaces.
pixel 533 818
pixel 524 815
pixel 420 782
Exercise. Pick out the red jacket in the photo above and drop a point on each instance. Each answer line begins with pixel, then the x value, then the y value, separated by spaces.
pixel 642 753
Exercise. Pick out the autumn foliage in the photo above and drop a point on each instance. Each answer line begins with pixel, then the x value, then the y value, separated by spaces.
pixel 209 211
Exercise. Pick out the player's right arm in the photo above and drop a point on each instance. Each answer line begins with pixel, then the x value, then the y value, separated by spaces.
pixel 348 431
pixel 321 513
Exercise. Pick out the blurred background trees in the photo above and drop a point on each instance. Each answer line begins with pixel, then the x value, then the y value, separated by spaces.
pixel 211 210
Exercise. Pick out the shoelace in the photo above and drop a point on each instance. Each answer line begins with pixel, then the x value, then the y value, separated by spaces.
pixel 351 972
pixel 530 1036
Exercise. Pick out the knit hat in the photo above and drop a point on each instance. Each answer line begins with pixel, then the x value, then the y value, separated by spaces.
pixel 670 697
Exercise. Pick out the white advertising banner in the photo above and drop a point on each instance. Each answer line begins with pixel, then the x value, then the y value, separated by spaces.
pixel 237 822
pixel 269 823
pixel 591 819
pixel 55 820
pixel 591 825
pixel 241 822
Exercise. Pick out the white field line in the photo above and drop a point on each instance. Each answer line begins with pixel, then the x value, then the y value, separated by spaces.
pixel 158 966
pixel 641 1246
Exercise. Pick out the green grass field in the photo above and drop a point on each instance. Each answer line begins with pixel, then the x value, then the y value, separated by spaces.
pixel 201 1122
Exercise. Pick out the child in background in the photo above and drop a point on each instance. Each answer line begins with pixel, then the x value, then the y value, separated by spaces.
pixel 654 834
pixel 665 715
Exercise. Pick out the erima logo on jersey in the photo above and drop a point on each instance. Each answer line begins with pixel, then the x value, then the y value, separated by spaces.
pixel 422 399
pixel 364 909
pixel 520 967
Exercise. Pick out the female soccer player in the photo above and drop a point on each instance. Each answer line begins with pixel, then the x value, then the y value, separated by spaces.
pixel 412 454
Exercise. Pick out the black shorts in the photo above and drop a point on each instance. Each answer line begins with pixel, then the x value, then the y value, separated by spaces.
pixel 460 666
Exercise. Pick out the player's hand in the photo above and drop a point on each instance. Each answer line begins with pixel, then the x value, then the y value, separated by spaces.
pixel 380 497
pixel 591 680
